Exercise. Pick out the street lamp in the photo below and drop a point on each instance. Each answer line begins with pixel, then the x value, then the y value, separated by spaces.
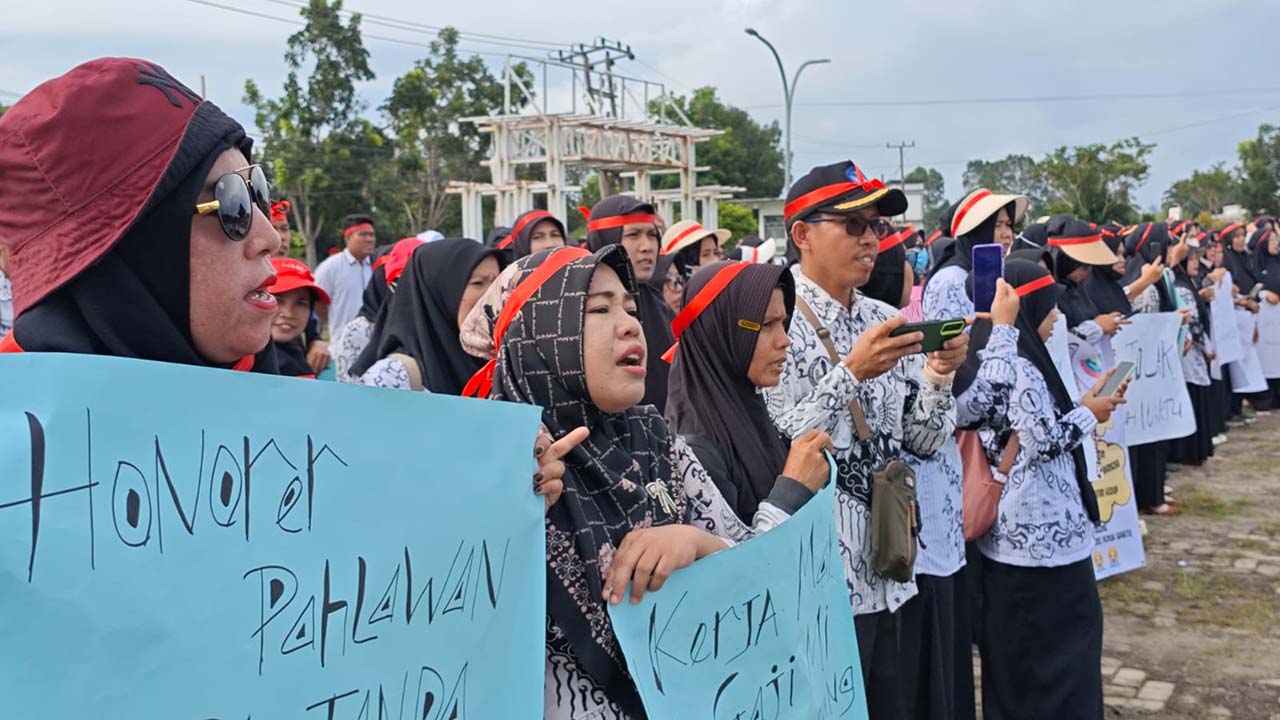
pixel 788 92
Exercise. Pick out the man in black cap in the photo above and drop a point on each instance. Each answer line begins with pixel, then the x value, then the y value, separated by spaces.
pixel 345 274
pixel 872 393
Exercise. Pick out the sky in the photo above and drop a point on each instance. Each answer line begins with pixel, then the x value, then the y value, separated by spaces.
pixel 1218 61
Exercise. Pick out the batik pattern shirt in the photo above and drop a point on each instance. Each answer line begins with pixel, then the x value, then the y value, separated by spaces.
pixel 939 479
pixel 903 410
pixel 570 694
pixel 1041 520
pixel 1195 364
pixel 351 341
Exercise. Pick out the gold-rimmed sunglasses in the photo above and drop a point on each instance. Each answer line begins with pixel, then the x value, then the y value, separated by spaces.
pixel 233 199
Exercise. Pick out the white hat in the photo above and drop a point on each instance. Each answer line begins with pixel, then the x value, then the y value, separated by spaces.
pixel 687 232
pixel 762 253
pixel 981 204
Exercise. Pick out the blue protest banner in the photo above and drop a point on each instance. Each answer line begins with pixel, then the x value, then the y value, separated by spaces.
pixel 181 542
pixel 762 630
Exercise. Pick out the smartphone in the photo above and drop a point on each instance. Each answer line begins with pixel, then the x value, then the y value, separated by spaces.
pixel 988 267
pixel 1253 294
pixel 936 332
pixel 1122 373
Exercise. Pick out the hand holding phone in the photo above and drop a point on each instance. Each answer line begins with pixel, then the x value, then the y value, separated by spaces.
pixel 988 267
pixel 1118 376
pixel 936 332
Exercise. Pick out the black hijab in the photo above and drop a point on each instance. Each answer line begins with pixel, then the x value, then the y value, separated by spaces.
pixel 1033 237
pixel 421 319
pixel 655 314
pixel 135 301
pixel 1103 285
pixel 960 253
pixel 521 244
pixel 1035 307
pixel 1040 256
pixel 1146 242
pixel 617 480
pixel 1267 265
pixel 1240 264
pixel 1075 302
pixel 710 394
pixel 292 357
pixel 888 276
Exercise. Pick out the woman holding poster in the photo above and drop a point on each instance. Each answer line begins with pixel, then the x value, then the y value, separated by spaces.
pixel 637 504
pixel 1197 447
pixel 1146 246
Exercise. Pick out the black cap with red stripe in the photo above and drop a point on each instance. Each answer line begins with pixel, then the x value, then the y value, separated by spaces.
pixel 840 188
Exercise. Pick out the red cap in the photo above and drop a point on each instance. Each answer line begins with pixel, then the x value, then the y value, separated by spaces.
pixel 280 211
pixel 79 158
pixel 293 274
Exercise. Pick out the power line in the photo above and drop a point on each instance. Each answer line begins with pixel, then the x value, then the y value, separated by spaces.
pixel 1031 99
pixel 370 36
pixel 413 26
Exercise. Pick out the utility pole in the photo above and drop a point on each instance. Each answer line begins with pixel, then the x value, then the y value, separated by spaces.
pixel 601 52
pixel 902 166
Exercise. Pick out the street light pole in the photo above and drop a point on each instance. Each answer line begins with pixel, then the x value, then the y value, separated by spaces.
pixel 788 94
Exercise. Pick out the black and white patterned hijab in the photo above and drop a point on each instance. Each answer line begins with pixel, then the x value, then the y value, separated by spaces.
pixel 619 479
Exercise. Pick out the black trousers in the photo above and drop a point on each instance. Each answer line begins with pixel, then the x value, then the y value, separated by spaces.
pixel 878 649
pixel 1197 447
pixel 1042 647
pixel 935 651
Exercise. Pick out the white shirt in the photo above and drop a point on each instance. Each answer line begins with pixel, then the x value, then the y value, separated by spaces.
pixel 903 408
pixel 344 279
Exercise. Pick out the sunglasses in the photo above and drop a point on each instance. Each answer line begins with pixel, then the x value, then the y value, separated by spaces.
pixel 856 225
pixel 234 198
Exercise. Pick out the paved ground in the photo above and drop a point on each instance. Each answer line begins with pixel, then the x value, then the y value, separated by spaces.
pixel 1196 633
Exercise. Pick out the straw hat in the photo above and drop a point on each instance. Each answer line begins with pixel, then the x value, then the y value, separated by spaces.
pixel 687 232
pixel 980 205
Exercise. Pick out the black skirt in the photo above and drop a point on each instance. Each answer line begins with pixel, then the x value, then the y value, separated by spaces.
pixel 1042 644
pixel 1219 406
pixel 931 636
pixel 1149 466
pixel 1197 447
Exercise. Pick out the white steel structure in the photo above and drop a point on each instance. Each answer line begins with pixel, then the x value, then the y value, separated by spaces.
pixel 637 145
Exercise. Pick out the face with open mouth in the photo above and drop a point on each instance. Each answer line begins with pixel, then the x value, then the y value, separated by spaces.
pixel 231 310
pixel 613 347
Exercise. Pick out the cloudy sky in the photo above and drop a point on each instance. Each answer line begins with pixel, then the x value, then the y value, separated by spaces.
pixel 1212 67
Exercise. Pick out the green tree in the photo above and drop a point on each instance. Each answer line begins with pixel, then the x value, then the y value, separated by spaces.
pixel 1208 190
pixel 1096 182
pixel 1011 174
pixel 1260 170
pixel 433 146
pixel 3 107
pixel 317 146
pixel 748 154
pixel 739 220
pixel 935 200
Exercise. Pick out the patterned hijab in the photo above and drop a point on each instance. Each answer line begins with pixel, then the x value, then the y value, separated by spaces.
pixel 619 479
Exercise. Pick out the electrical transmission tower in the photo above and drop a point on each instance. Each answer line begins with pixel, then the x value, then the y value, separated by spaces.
pixel 601 52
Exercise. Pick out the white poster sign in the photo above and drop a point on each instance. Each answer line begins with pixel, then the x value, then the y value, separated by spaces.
pixel 1159 406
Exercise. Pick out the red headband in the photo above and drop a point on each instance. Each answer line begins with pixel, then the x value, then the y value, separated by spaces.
pixel 586 212
pixel 1143 240
pixel 895 239
pixel 700 303
pixel 357 228
pixel 1034 285
pixel 1226 231
pixel 936 234
pixel 682 235
pixel 481 383
pixel 619 220
pixel 1064 241
pixel 532 217
pixel 966 207
pixel 1106 233
pixel 280 210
